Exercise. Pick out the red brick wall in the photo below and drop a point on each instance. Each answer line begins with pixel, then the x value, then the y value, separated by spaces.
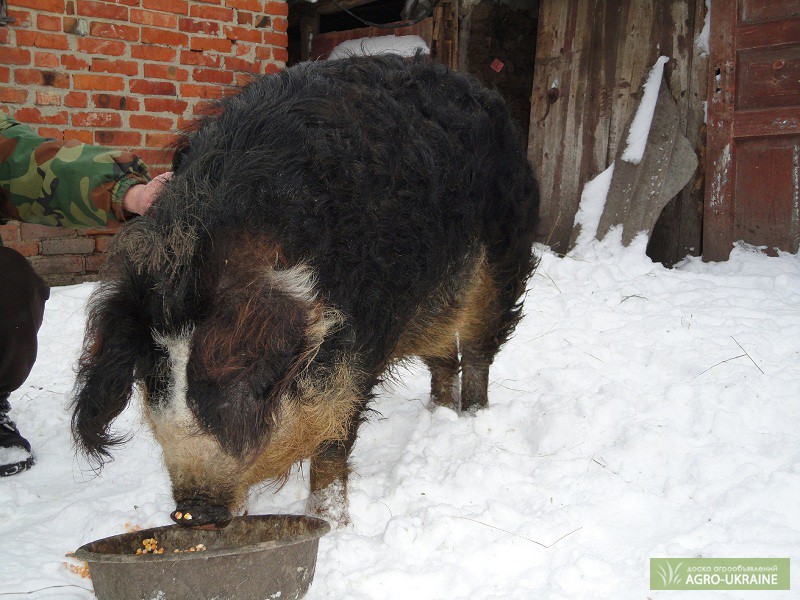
pixel 127 74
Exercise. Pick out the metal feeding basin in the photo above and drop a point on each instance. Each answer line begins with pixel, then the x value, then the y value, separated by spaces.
pixel 261 556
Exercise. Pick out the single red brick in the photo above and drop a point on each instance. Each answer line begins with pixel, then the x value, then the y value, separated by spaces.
pixel 81 135
pixel 13 95
pixel 59 118
pixel 202 43
pixel 28 231
pixel 212 76
pixel 280 54
pixel 75 245
pixel 56 79
pixel 157 53
pixel 73 63
pixel 115 31
pixel 280 24
pixel 124 67
pixel 244 18
pixel 48 99
pixel 37 77
pixel 110 83
pixel 56 6
pixel 276 8
pixel 152 88
pixel 104 10
pixel 150 122
pixel 276 39
pixel 214 13
pixel 251 5
pixel 191 90
pixel 76 100
pixel 9 233
pixel 71 25
pixel 179 7
pixel 29 115
pixel 48 23
pixel 243 48
pixel 97 119
pixel 263 52
pixel 156 19
pixel 192 57
pixel 107 47
pixel 193 26
pixel 24 248
pixel 5 36
pixel 115 102
pixel 15 56
pixel 177 107
pixel 5 74
pixel 233 32
pixel 238 64
pixel 166 72
pixel 118 139
pixel 22 18
pixel 270 68
pixel 163 37
pixel 46 59
pixel 51 133
pixel 42 40
pixel 56 265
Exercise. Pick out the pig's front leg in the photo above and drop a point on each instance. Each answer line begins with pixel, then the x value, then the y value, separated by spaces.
pixel 329 471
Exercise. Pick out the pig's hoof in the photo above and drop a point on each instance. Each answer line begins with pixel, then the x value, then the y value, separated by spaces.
pixel 330 503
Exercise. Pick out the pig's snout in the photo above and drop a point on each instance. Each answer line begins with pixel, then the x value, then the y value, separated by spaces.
pixel 196 514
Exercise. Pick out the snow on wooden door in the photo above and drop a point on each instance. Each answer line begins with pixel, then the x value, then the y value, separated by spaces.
pixel 753 162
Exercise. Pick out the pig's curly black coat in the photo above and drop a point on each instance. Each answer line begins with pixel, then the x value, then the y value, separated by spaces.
pixel 383 174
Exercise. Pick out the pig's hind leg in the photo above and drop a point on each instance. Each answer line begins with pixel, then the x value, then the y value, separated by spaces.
pixel 493 314
pixel 445 389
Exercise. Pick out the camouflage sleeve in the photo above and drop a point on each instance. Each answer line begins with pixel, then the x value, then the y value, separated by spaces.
pixel 65 183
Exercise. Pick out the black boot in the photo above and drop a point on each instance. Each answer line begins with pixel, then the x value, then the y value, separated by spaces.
pixel 15 451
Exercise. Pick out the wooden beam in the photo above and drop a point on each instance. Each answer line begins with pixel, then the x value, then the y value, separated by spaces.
pixel 309 27
pixel 327 7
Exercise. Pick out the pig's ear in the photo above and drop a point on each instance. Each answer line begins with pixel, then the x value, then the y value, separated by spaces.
pixel 257 339
pixel 117 338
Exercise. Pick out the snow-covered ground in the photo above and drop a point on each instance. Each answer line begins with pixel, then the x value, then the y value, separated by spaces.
pixel 638 412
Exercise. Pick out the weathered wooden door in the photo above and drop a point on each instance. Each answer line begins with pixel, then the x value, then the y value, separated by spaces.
pixel 753 168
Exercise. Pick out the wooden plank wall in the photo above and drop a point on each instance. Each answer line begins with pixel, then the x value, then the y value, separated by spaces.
pixel 591 59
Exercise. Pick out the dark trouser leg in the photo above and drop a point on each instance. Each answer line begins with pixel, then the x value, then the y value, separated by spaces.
pixel 22 297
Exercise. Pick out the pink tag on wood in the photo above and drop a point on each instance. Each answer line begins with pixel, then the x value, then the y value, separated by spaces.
pixel 497 65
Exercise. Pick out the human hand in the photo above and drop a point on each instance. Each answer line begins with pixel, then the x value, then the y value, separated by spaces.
pixel 141 196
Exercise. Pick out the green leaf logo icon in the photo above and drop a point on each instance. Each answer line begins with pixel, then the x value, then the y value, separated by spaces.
pixel 670 576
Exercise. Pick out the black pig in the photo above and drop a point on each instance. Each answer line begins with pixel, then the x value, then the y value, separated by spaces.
pixel 321 225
